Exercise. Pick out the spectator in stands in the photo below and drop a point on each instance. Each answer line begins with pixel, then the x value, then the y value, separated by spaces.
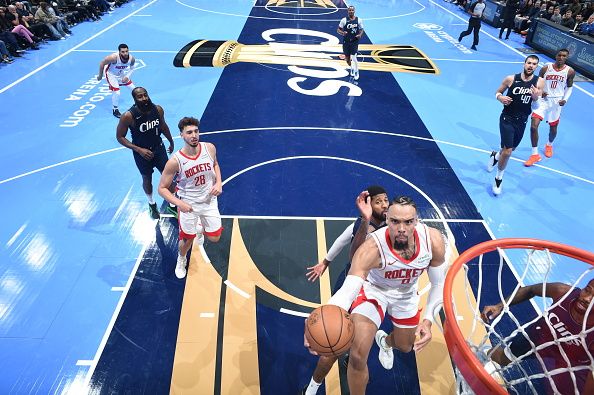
pixel 556 17
pixel 5 54
pixel 47 15
pixel 19 28
pixel 588 27
pixel 522 20
pixel 549 13
pixel 579 19
pixel 567 20
pixel 587 10
pixel 575 7
pixel 28 20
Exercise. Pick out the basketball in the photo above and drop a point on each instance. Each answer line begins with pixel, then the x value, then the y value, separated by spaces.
pixel 329 330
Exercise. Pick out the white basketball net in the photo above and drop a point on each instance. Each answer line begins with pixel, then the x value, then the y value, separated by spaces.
pixel 482 336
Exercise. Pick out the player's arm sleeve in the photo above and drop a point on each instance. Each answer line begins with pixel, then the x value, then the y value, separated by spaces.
pixel 567 93
pixel 437 271
pixel 342 241
pixel 348 292
pixel 437 276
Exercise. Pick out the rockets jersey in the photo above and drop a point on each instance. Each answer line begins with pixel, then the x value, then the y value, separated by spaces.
pixel 196 176
pixel 519 91
pixel 555 80
pixel 563 325
pixel 397 273
pixel 119 68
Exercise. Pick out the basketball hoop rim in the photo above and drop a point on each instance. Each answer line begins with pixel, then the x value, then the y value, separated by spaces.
pixel 459 350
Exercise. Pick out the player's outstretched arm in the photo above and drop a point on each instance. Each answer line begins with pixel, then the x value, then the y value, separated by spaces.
pixel 314 272
pixel 366 258
pixel 436 271
pixel 550 290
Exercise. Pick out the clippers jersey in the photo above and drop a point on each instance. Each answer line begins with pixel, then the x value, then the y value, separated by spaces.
pixel 196 176
pixel 563 325
pixel 555 80
pixel 397 273
pixel 351 28
pixel 119 68
pixel 519 91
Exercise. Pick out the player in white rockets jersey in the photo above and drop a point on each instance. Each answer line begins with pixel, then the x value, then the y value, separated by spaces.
pixel 198 185
pixel 118 68
pixel 558 78
pixel 383 279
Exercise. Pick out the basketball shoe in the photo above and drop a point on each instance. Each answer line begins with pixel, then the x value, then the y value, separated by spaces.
pixel 532 160
pixel 548 151
pixel 497 186
pixel 492 161
pixel 117 113
pixel 386 355
pixel 154 211
pixel 172 210
pixel 180 268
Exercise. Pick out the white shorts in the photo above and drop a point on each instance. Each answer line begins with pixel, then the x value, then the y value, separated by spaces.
pixel 115 82
pixel 548 109
pixel 204 219
pixel 373 303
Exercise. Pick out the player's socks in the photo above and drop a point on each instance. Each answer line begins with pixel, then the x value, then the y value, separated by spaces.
pixel 150 198
pixel 534 150
pixel 499 174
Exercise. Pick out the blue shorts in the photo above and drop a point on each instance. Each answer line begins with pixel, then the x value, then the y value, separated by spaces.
pixel 350 48
pixel 511 130
pixel 145 167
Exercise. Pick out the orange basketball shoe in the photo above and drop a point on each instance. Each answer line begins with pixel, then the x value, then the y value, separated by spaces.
pixel 548 150
pixel 532 160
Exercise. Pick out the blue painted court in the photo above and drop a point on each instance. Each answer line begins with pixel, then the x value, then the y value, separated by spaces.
pixel 89 302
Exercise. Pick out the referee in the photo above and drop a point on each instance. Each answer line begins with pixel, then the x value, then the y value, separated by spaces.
pixel 474 23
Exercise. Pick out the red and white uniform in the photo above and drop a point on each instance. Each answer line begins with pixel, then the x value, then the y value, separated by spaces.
pixel 196 177
pixel 393 288
pixel 548 108
pixel 115 72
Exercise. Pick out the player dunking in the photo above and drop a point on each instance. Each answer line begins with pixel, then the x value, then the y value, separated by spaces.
pixel 198 185
pixel 118 69
pixel 558 78
pixel 351 29
pixel 384 279
pixel 522 89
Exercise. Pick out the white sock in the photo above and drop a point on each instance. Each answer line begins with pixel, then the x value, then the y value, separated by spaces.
pixel 150 198
pixel 115 98
pixel 534 150
pixel 497 156
pixel 355 63
pixel 550 143
pixel 499 174
pixel 312 388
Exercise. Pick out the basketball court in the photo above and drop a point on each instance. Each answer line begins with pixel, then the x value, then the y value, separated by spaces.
pixel 89 302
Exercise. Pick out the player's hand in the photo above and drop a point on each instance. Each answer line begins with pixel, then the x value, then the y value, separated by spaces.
pixel 125 80
pixel 562 102
pixel 146 153
pixel 170 149
pixel 185 207
pixel 99 77
pixel 534 91
pixel 316 271
pixel 364 205
pixel 505 100
pixel 305 342
pixel 216 190
pixel 424 335
pixel 490 312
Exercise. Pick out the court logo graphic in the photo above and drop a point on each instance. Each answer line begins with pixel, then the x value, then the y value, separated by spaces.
pixel 427 26
pixel 322 60
pixel 437 34
pixel 301 3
